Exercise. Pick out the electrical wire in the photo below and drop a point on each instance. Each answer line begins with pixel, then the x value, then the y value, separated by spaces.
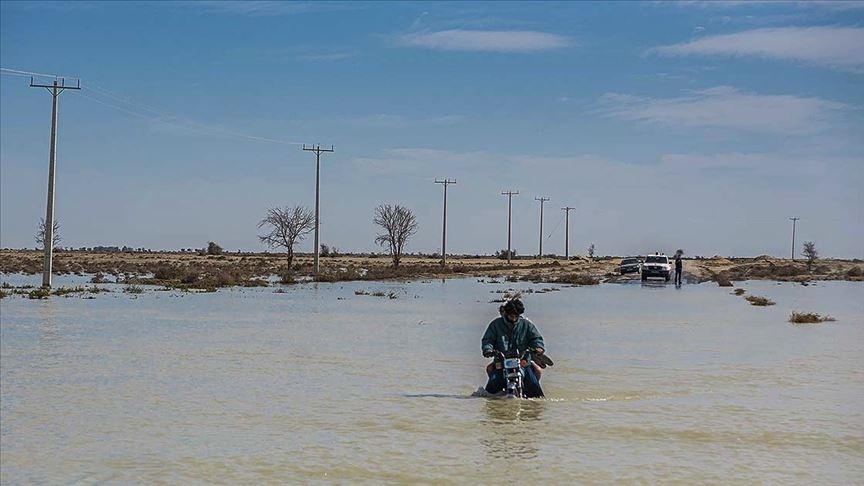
pixel 17 72
pixel 106 97
pixel 555 228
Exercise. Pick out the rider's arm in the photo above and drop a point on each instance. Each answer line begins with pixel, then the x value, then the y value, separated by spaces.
pixel 535 340
pixel 488 341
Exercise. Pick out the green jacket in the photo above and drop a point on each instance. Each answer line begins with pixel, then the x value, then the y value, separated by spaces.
pixel 501 336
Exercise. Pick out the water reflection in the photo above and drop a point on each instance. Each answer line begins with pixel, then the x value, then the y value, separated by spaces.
pixel 513 410
pixel 48 332
pixel 657 284
pixel 510 427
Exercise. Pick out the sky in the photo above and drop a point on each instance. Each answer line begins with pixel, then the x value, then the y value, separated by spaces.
pixel 703 126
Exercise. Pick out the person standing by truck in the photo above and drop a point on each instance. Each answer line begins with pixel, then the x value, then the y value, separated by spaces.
pixel 678 266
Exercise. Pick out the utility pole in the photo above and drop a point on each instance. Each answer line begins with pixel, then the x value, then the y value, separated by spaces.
pixel 794 220
pixel 509 195
pixel 55 89
pixel 567 232
pixel 445 182
pixel 318 150
pixel 542 200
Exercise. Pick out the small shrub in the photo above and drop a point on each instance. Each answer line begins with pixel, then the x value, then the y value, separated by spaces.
pixel 759 301
pixel 502 254
pixel 854 272
pixel 189 277
pixel 133 289
pixel 287 277
pixel 68 290
pixel 213 249
pixel 40 293
pixel 167 272
pixel 787 271
pixel 3 294
pixel 739 291
pixel 808 318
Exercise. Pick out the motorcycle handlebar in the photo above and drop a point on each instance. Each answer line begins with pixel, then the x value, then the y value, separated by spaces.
pixel 498 354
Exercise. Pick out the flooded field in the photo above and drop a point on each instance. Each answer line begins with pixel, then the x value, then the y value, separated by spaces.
pixel 321 383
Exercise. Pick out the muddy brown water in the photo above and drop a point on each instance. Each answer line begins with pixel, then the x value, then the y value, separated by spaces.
pixel 315 385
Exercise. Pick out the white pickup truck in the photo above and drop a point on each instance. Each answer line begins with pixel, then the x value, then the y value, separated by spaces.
pixel 656 265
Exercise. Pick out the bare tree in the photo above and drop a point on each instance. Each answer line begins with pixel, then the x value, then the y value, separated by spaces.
pixel 810 253
pixel 399 224
pixel 40 234
pixel 287 226
pixel 591 251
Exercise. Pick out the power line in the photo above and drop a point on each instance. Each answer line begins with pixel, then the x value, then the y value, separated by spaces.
pixel 557 224
pixel 57 87
pixel 542 200
pixel 567 232
pixel 794 220
pixel 147 112
pixel 106 97
pixel 445 182
pixel 509 195
pixel 17 72
pixel 318 151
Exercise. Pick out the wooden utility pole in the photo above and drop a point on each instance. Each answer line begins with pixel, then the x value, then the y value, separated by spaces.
pixel 567 232
pixel 794 220
pixel 445 182
pixel 509 195
pixel 55 89
pixel 542 200
pixel 318 151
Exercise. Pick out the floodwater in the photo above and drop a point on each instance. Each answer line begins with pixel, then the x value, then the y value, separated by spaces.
pixel 315 385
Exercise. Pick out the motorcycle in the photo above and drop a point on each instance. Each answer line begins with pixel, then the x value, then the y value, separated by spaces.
pixel 512 365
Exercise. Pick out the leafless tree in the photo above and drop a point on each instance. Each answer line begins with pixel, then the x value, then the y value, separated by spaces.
pixel 40 234
pixel 810 253
pixel 399 224
pixel 287 226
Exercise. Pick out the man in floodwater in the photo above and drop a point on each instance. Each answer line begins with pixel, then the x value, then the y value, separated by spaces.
pixel 512 332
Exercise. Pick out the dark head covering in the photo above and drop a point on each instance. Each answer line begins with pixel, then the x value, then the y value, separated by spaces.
pixel 514 307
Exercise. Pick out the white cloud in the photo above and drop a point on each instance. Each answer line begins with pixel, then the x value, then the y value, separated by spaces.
pixel 726 107
pixel 837 47
pixel 486 40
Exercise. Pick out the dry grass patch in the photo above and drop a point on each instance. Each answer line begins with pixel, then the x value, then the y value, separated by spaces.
pixel 808 318
pixel 757 300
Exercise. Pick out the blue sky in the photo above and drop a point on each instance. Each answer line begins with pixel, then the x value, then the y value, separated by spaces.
pixel 694 125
